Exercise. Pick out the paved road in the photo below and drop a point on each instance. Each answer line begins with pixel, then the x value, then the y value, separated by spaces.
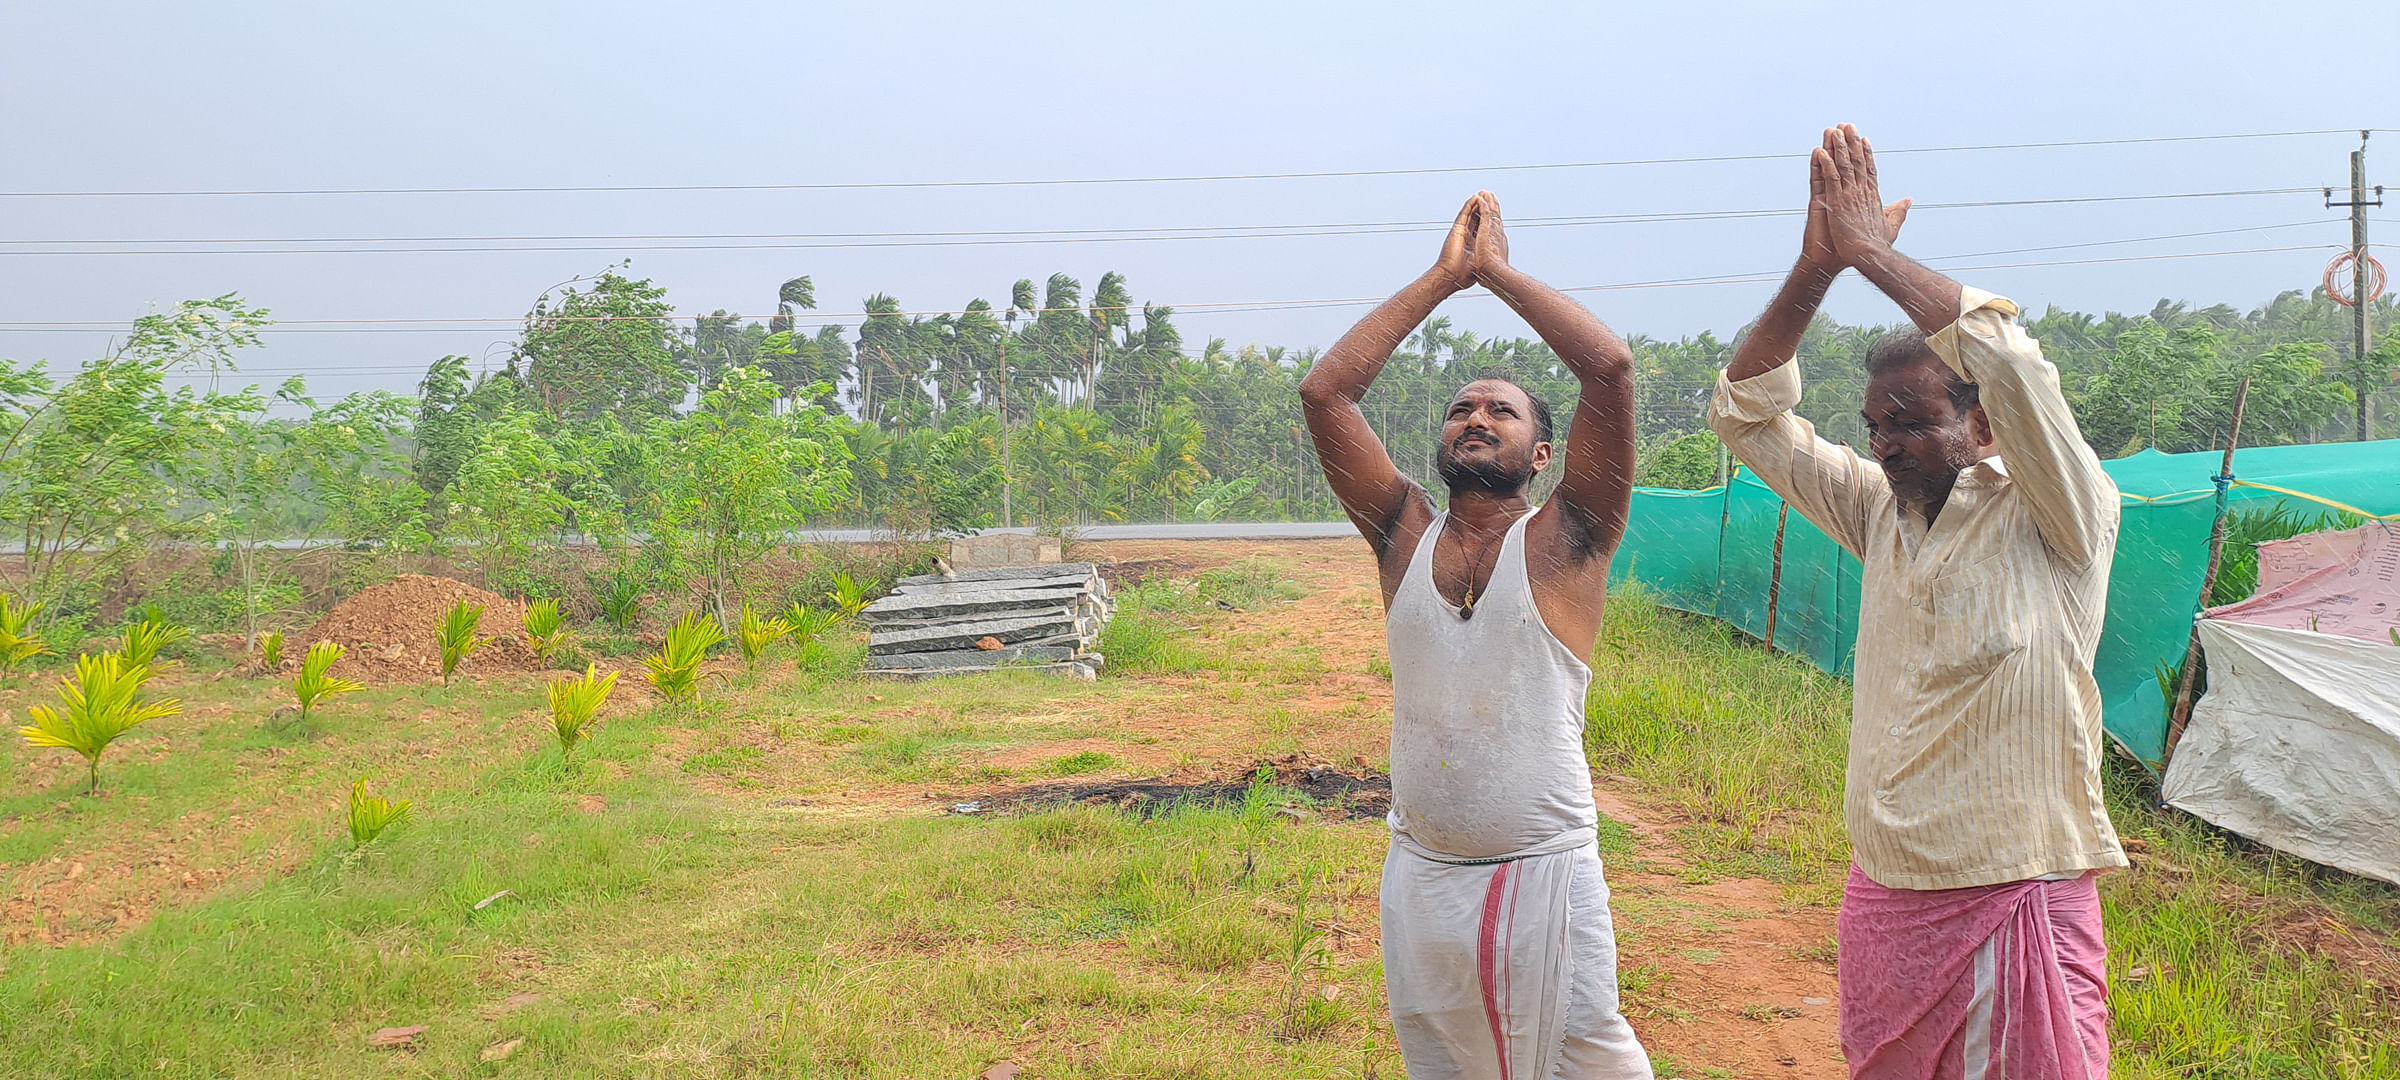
pixel 1212 530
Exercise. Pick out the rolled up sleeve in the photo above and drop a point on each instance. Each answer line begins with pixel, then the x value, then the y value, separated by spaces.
pixel 1830 485
pixel 2074 503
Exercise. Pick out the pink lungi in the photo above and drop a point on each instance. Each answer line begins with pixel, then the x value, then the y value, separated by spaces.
pixel 1998 982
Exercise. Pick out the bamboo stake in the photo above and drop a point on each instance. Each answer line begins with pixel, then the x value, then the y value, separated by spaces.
pixel 2181 714
pixel 1775 580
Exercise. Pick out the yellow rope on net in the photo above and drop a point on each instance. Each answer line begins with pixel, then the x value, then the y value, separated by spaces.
pixel 2344 507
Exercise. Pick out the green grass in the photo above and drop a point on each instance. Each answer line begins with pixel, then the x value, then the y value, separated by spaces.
pixel 2237 976
pixel 1747 746
pixel 669 937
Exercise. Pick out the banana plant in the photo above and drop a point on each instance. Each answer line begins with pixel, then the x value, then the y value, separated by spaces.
pixel 18 640
pixel 456 635
pixel 371 814
pixel 675 671
pixel 101 702
pixel 316 682
pixel 546 629
pixel 573 703
pixel 757 634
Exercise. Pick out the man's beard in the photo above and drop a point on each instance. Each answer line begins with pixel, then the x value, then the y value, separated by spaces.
pixel 1494 475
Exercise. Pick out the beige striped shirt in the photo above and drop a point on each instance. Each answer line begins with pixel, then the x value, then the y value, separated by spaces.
pixel 1975 736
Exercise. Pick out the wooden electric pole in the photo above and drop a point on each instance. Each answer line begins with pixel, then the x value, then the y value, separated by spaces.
pixel 2362 270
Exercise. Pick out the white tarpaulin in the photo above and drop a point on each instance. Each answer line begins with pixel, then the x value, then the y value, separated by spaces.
pixel 2297 744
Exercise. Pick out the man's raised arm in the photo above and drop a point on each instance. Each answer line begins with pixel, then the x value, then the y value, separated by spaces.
pixel 2074 503
pixel 1595 489
pixel 1752 411
pixel 1357 466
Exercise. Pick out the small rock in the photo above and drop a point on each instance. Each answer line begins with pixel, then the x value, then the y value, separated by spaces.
pixel 1006 1070
pixel 74 871
pixel 395 1038
pixel 1814 1001
pixel 500 1050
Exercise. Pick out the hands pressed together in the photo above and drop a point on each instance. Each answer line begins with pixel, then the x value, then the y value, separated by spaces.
pixel 1848 220
pixel 1477 245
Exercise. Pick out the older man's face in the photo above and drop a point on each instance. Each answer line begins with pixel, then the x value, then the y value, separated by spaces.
pixel 1489 441
pixel 1917 433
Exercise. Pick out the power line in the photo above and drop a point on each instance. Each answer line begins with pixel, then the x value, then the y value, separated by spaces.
pixel 412 325
pixel 1194 178
pixel 1005 238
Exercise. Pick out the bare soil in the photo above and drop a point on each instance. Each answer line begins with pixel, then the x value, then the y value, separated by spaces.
pixel 1331 791
pixel 389 630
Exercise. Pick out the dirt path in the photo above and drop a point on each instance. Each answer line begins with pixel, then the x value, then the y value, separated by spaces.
pixel 1718 974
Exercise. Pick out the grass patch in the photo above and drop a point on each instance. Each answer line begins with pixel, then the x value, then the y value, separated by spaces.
pixel 664 938
pixel 1081 763
pixel 1748 746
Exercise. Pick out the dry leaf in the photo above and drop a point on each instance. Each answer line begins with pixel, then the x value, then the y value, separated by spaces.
pixel 493 899
pixel 500 1050
pixel 395 1038
pixel 988 643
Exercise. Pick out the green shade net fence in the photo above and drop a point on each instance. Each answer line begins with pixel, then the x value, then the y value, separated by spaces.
pixel 1712 552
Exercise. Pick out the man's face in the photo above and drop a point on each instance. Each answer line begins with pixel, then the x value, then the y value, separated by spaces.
pixel 1489 441
pixel 1916 432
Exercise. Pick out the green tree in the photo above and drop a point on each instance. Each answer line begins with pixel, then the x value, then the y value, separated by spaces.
pixel 608 350
pixel 741 478
pixel 95 469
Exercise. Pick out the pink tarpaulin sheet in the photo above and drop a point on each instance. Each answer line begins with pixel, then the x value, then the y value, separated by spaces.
pixel 2343 583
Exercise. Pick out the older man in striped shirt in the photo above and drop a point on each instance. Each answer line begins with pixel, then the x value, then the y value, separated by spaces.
pixel 1970 929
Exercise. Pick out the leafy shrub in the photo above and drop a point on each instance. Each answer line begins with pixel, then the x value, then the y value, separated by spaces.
pixel 1682 463
pixel 102 701
pixel 371 814
pixel 756 634
pixel 18 640
pixel 456 635
pixel 270 651
pixel 316 684
pixel 573 703
pixel 675 671
pixel 546 629
pixel 620 597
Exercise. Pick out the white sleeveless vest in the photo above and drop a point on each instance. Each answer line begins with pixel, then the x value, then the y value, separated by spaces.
pixel 1487 719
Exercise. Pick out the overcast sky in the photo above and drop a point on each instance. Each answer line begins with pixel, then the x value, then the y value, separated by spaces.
pixel 123 97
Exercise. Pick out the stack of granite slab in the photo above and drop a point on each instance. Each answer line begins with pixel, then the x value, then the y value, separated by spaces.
pixel 1043 617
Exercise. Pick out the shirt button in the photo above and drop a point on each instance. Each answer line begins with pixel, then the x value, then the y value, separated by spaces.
pixel 1894 730
pixel 1912 665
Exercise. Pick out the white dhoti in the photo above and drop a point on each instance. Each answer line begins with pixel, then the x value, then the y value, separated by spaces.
pixel 1505 970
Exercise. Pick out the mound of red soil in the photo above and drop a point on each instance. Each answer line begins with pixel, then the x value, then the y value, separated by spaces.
pixel 389 630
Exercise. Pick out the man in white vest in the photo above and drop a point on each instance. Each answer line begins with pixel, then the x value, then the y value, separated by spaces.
pixel 1498 953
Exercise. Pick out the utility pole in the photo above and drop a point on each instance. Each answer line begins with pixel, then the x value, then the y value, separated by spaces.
pixel 1008 478
pixel 2365 283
